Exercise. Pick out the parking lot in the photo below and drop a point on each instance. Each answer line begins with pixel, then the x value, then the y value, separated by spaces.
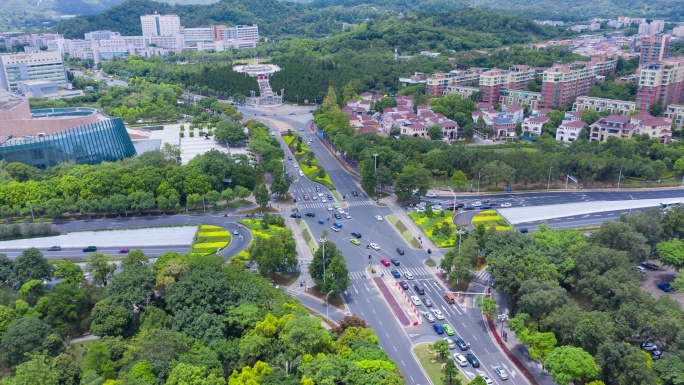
pixel 665 274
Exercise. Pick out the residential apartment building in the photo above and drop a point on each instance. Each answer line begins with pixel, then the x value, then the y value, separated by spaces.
pixel 15 68
pixel 675 113
pixel 436 84
pixel 562 82
pixel 661 82
pixel 614 107
pixel 160 25
pixel 463 91
pixel 520 98
pixel 656 26
pixel 495 80
pixel 654 48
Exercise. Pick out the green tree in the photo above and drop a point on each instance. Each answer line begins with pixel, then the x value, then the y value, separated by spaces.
pixel 478 380
pixel 541 344
pixel 450 372
pixel 69 272
pixel 63 305
pixel 99 360
pixel 184 374
pixel 671 253
pixel 193 200
pixel 435 132
pixel 336 275
pixel 67 370
pixel 458 179
pixel 228 194
pixel 101 267
pixel 131 287
pixel 30 265
pixel 109 319
pixel 656 109
pixel 242 192
pixel 29 335
pixel 442 349
pixel 229 132
pixel 35 371
pixel 570 364
pixel 488 306
pixel 590 116
pixel 274 254
pixel 261 195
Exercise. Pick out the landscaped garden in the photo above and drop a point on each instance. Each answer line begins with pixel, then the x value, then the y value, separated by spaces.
pixel 405 233
pixel 210 239
pixel 437 225
pixel 431 361
pixel 307 160
pixel 491 218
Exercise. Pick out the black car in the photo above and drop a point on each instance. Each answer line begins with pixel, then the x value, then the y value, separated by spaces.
pixel 354 193
pixel 311 215
pixel 395 274
pixel 524 230
pixel 289 157
pixel 356 234
pixel 337 216
pixel 403 285
pixel 395 262
pixel 469 207
pixel 89 249
pixel 473 360
pixel 295 215
pixel 400 251
pixel 485 206
pixel 461 344
pixel 650 265
pixel 330 197
pixel 318 188
pixel 55 248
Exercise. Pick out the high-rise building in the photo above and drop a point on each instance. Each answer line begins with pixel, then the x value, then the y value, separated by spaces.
pixel 15 68
pixel 562 82
pixel 495 80
pixel 240 36
pixel 654 48
pixel 160 25
pixel 102 35
pixel 437 84
pixel 656 26
pixel 193 36
pixel 33 40
pixel 661 82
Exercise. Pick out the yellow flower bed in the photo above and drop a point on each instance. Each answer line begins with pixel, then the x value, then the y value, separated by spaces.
pixel 490 218
pixel 209 239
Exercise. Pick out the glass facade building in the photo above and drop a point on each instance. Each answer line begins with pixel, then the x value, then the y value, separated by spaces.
pixel 105 140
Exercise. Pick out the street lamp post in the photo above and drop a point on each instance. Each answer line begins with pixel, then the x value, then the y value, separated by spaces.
pixel 503 318
pixel 548 184
pixel 478 182
pixel 460 232
pixel 326 303
pixel 619 177
pixel 375 174
pixel 452 193
pixel 323 241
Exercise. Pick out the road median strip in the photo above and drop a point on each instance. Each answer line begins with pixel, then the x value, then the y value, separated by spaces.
pixel 403 231
pixel 393 304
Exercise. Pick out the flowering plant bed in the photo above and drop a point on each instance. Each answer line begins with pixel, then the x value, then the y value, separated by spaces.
pixel 396 308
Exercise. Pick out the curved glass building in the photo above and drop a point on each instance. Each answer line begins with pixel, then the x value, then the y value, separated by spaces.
pixel 91 143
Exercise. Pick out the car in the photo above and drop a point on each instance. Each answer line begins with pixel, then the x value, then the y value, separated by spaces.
pixel 301 129
pixel 437 207
pixel 524 230
pixel 477 204
pixel 387 263
pixel 404 285
pixel 640 269
pixel 335 229
pixel 485 206
pixel 485 201
pixel 323 200
pixel 506 204
pixel 330 208
pixel 525 353
pixel 314 197
pixel 356 234
pixel 89 249
pixel 438 328
pixel 450 342
pixel 420 209
pixel 374 246
pixel 54 248
pixel 427 302
pixel 295 215
pixel 664 286
pixel 306 197
pixel 337 224
pixel 656 354
pixel 649 346
pixel 468 207
pixel 395 274
pixel 431 195
pixel 419 289
pixel 460 359
pixel 330 196
pixel 501 373
pixel 335 205
pixel 355 241
pixel 473 360
pixel 428 316
pixel 487 380
pixel 395 262
pixel 289 157
pixel 337 216
pixel 438 314
pixel 235 232
pixel 341 211
pixel 292 113
pixel 650 265
pixel 400 251
pixel 301 173
pixel 354 193
pixel 311 215
pixel 461 344
pixel 347 215
pixel 449 330
pixel 416 301
pixel 378 217
pixel 408 275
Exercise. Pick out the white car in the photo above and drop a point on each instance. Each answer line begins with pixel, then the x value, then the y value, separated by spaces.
pixel 296 165
pixel 336 229
pixel 408 275
pixel 321 195
pixel 506 204
pixel 347 215
pixel 341 211
pixel 438 314
pixel 450 343
pixel 235 232
pixel 501 373
pixel 375 246
pixel 301 173
pixel 437 207
pixel 416 300
pixel 420 210
pixel 477 204
pixel 430 195
pixel 428 316
pixel 460 359
pixel 488 380
pixel 330 208
pixel 324 200
pixel 378 217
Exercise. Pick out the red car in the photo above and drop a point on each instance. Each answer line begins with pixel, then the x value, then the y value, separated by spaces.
pixel 123 251
pixel 385 262
pixel 306 197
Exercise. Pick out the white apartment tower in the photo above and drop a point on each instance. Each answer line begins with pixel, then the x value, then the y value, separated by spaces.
pixel 160 25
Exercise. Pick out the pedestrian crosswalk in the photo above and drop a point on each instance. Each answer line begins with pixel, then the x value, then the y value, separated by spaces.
pixel 321 205
pixel 482 275
pixel 416 271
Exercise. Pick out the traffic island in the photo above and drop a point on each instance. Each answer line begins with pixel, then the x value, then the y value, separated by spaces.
pixel 490 218
pixel 401 229
pixel 433 365
pixel 437 225
pixel 393 304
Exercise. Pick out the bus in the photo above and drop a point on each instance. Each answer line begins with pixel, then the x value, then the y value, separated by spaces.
pixel 670 204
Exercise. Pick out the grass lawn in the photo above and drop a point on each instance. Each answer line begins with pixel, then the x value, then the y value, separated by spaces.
pixel 401 228
pixel 311 169
pixel 433 370
pixel 306 234
pixel 429 224
pixel 286 279
pixel 491 218
pixel 209 239
pixel 79 351
pixel 334 299
pixel 236 204
pixel 259 210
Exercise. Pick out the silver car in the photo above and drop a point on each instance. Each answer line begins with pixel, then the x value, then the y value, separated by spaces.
pixel 428 316
pixel 501 373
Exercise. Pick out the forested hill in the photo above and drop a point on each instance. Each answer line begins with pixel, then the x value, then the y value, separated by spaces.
pixel 275 18
pixel 538 9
